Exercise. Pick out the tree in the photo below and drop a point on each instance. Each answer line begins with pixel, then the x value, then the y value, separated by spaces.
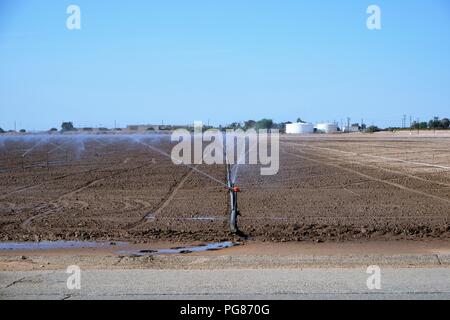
pixel 53 130
pixel 435 123
pixel 234 126
pixel 372 129
pixel 249 124
pixel 299 120
pixel 423 125
pixel 445 123
pixel 2 131
pixel 22 131
pixel 264 124
pixel 67 126
pixel 419 125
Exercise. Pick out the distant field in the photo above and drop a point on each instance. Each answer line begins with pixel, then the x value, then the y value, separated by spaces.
pixel 329 187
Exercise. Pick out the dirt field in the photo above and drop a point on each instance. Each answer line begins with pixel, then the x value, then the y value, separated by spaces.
pixel 329 188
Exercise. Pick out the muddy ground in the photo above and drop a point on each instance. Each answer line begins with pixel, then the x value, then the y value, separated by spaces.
pixel 329 188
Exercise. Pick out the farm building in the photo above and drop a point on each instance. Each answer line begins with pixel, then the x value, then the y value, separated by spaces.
pixel 327 127
pixel 299 128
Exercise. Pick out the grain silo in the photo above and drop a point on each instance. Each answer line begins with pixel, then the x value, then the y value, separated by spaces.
pixel 299 128
pixel 327 127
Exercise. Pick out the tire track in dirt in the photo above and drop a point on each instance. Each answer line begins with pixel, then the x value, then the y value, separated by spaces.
pixel 166 200
pixel 373 156
pixel 377 167
pixel 28 187
pixel 57 203
pixel 369 177
pixel 130 203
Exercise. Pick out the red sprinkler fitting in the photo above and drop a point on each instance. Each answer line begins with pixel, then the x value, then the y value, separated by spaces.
pixel 236 189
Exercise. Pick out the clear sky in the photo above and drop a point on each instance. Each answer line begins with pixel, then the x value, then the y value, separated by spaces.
pixel 179 61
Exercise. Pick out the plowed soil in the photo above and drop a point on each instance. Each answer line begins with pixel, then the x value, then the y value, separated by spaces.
pixel 329 188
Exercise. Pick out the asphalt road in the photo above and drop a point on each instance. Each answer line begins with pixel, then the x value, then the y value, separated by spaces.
pixel 335 283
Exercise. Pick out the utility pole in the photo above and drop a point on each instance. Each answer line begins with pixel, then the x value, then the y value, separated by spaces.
pixel 348 124
pixel 404 121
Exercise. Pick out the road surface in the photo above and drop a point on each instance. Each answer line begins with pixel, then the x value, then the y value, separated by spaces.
pixel 312 283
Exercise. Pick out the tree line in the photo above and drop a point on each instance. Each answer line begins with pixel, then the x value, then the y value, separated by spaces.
pixel 435 123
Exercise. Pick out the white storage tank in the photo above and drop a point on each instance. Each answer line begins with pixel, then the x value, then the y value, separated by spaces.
pixel 327 127
pixel 299 128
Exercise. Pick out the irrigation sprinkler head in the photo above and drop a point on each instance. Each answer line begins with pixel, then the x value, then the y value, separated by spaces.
pixel 234 189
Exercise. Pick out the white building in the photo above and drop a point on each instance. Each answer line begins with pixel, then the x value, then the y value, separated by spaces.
pixel 353 128
pixel 299 128
pixel 327 127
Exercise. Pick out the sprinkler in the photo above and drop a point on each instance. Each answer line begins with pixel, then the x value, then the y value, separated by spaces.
pixel 233 190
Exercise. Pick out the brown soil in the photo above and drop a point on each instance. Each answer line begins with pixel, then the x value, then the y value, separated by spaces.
pixel 329 188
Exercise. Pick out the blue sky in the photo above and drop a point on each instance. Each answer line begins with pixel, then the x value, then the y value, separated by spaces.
pixel 181 61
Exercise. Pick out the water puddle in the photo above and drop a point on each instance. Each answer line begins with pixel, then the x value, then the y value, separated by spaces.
pixel 182 250
pixel 52 245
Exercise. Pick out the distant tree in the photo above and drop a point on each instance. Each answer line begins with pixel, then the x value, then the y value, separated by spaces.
pixel 264 124
pixel 249 124
pixel 434 124
pixel 445 123
pixel 363 126
pixel 2 131
pixel 87 129
pixel 372 129
pixel 150 129
pixel 22 131
pixel 67 126
pixel 299 120
pixel 234 126
pixel 419 125
pixel 53 130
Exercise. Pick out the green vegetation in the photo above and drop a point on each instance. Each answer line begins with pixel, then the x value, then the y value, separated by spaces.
pixel 2 131
pixel 372 129
pixel 249 124
pixel 22 131
pixel 264 124
pixel 435 123
pixel 67 126
pixel 438 124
